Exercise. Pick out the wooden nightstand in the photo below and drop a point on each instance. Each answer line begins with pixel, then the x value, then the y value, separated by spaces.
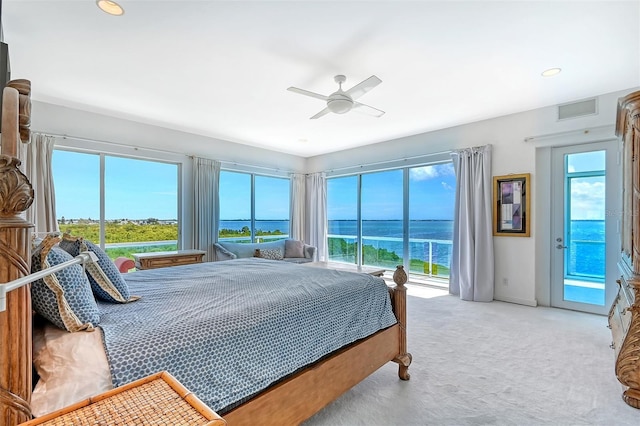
pixel 158 399
pixel 162 259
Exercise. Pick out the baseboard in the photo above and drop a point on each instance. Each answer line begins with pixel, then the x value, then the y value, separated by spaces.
pixel 533 303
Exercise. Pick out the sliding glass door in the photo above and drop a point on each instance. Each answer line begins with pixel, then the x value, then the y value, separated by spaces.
pixel 394 217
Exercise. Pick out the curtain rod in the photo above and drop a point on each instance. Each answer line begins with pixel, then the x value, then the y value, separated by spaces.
pixel 380 163
pixel 82 139
pixel 252 166
pixel 235 163
pixel 577 132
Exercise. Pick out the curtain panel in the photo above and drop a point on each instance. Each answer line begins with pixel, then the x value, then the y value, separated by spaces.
pixel 316 214
pixel 472 264
pixel 206 206
pixel 297 206
pixel 38 156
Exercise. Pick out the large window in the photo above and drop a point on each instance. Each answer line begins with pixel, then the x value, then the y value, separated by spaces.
pixel 253 208
pixel 140 201
pixel 396 217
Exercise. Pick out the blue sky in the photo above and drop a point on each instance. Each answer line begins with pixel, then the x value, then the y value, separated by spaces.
pixel 138 189
pixel 134 189
pixel 431 195
pixel 272 197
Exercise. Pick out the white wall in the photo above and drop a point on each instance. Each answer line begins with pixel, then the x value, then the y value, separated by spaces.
pixel 49 118
pixel 516 258
pixel 99 133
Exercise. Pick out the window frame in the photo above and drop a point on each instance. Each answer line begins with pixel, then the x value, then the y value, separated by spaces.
pixel 253 176
pixel 102 154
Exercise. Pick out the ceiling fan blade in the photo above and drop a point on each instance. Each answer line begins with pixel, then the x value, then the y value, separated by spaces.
pixel 366 109
pixel 321 113
pixel 363 87
pixel 307 93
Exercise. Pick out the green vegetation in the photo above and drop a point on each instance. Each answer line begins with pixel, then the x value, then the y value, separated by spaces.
pixel 122 232
pixel 149 230
pixel 246 232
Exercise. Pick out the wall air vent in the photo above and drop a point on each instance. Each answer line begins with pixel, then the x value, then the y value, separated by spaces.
pixel 577 109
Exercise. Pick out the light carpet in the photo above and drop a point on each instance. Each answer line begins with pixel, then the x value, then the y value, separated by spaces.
pixel 491 364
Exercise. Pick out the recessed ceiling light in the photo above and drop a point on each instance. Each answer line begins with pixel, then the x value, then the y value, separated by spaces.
pixel 551 72
pixel 110 7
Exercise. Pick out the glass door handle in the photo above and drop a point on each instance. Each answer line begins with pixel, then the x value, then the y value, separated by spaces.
pixel 560 246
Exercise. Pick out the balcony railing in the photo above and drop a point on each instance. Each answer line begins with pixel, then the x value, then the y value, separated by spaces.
pixel 427 257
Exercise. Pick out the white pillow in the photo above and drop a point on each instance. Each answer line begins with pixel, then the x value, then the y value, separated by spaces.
pixel 72 367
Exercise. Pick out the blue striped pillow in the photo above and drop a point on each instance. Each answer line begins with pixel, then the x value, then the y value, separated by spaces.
pixel 65 297
pixel 105 278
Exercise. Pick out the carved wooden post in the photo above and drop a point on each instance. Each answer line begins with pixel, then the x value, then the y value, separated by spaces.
pixel 400 308
pixel 16 195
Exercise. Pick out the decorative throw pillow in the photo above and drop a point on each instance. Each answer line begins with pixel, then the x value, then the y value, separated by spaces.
pixel 65 297
pixel 105 278
pixel 273 254
pixel 293 248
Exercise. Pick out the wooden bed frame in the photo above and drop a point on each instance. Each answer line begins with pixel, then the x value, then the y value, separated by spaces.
pixel 288 402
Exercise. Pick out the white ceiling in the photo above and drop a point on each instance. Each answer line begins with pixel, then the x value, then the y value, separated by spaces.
pixel 221 68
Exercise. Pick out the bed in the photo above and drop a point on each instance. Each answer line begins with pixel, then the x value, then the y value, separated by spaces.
pixel 291 396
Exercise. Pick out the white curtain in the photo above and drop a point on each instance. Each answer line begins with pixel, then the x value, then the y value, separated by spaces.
pixel 37 167
pixel 316 214
pixel 206 207
pixel 472 268
pixel 297 207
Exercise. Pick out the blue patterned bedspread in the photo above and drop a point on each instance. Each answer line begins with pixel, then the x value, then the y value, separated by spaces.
pixel 227 330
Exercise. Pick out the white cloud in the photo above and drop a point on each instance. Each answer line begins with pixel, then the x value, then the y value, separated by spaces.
pixel 587 200
pixel 446 186
pixel 431 172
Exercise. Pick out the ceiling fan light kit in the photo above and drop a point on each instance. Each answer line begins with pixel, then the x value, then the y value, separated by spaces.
pixel 340 101
pixel 339 105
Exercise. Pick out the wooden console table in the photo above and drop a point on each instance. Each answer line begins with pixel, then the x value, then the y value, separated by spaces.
pixel 162 259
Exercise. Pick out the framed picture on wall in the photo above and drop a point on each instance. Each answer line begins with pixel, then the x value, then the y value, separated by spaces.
pixel 511 205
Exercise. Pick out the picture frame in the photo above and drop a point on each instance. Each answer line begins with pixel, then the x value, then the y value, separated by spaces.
pixel 511 205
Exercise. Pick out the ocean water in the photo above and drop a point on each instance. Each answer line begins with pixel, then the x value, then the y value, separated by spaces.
pixel 431 240
pixel 586 249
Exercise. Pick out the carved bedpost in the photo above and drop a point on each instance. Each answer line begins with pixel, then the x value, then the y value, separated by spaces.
pixel 16 195
pixel 400 309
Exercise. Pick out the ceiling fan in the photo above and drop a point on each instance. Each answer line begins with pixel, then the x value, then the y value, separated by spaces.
pixel 341 101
